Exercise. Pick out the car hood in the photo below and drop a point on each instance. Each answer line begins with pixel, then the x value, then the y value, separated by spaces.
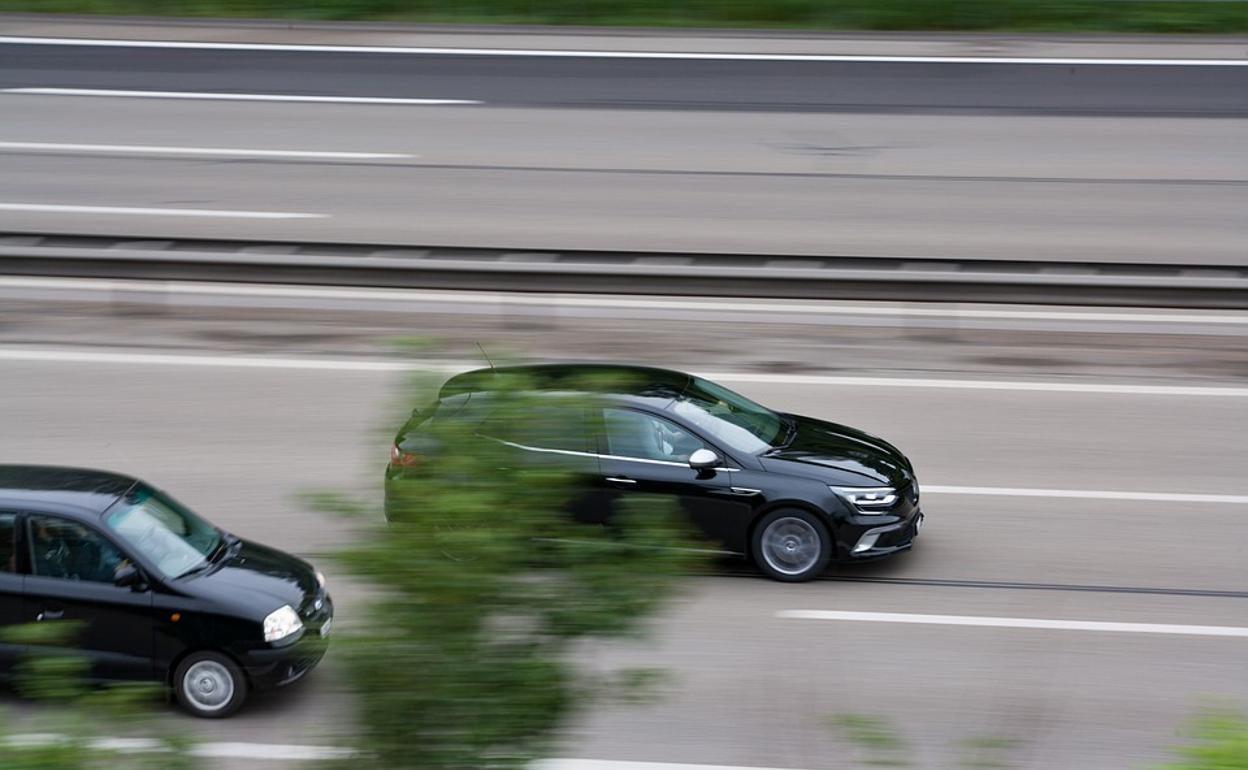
pixel 260 572
pixel 839 454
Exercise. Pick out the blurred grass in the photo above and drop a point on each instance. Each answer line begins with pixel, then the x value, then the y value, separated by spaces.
pixel 1178 16
pixel 76 717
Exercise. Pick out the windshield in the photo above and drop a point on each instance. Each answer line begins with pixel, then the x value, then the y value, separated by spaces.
pixel 168 535
pixel 730 418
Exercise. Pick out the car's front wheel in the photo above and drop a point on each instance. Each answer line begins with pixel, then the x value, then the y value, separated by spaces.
pixel 209 685
pixel 791 545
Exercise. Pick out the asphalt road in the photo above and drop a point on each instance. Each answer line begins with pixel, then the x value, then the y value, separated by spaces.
pixel 790 86
pixel 1097 162
pixel 749 688
pixel 940 186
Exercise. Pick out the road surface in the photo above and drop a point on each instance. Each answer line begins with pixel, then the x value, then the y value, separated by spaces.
pixel 748 686
pixel 942 158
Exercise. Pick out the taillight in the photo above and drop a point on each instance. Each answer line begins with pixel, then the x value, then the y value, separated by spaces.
pixel 401 459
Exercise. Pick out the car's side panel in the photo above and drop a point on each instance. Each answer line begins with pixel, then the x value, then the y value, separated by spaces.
pixel 765 491
pixel 111 625
pixel 11 586
pixel 183 624
pixel 705 496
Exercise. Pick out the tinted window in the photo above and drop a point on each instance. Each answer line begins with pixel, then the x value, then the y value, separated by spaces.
pixel 647 437
pixel 64 549
pixel 544 427
pixel 163 531
pixel 729 417
pixel 8 542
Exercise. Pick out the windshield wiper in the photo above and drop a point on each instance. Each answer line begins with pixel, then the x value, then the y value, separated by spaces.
pixel 195 570
pixel 222 548
pixel 789 434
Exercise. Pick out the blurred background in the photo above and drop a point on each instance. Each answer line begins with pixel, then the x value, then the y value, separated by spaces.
pixel 1009 237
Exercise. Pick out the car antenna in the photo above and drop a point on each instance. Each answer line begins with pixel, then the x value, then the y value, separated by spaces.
pixel 485 355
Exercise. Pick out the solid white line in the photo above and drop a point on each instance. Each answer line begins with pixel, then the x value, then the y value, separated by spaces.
pixel 1029 623
pixel 228 96
pixel 346 364
pixel 228 151
pixel 581 54
pixel 48 208
pixel 1087 494
pixel 165 359
pixel 632 303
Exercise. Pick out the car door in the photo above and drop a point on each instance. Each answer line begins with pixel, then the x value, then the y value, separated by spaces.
pixel 555 435
pixel 72 568
pixel 644 453
pixel 10 591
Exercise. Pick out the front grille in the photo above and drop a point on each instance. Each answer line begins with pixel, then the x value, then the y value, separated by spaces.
pixel 314 605
pixel 895 538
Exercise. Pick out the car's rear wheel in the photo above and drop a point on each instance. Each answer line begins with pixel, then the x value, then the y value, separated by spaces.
pixel 791 545
pixel 209 685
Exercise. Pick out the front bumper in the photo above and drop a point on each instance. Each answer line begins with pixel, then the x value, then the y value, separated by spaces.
pixel 271 667
pixel 886 540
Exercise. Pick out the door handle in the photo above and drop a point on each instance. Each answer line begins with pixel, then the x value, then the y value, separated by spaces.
pixel 50 615
pixel 621 480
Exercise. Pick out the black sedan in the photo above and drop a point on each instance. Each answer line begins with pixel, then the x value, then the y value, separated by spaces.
pixel 157 592
pixel 792 493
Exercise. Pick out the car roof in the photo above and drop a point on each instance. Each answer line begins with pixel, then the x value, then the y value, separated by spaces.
pixel 83 489
pixel 618 380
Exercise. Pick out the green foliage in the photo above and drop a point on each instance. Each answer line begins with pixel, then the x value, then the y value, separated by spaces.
pixel 1219 742
pixel 486 590
pixel 1193 16
pixel 72 719
pixel 879 744
pixel 54 678
pixel 988 752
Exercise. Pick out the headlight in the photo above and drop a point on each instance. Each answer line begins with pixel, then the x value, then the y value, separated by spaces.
pixel 281 623
pixel 320 579
pixel 868 499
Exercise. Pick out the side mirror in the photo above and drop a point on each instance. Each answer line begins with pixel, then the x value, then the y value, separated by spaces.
pixel 702 459
pixel 128 576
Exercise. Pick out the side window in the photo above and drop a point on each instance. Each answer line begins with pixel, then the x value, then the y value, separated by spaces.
pixel 542 428
pixel 64 549
pixel 8 542
pixel 647 437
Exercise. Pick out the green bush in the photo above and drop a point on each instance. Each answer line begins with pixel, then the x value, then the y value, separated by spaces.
pixel 1219 742
pixel 485 589
pixel 72 720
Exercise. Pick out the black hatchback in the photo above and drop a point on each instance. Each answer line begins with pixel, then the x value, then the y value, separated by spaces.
pixel 157 593
pixel 792 493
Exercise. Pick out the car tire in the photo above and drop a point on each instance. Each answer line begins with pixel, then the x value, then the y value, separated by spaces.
pixel 209 685
pixel 791 545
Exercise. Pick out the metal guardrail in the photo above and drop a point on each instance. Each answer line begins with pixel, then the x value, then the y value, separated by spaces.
pixel 861 278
